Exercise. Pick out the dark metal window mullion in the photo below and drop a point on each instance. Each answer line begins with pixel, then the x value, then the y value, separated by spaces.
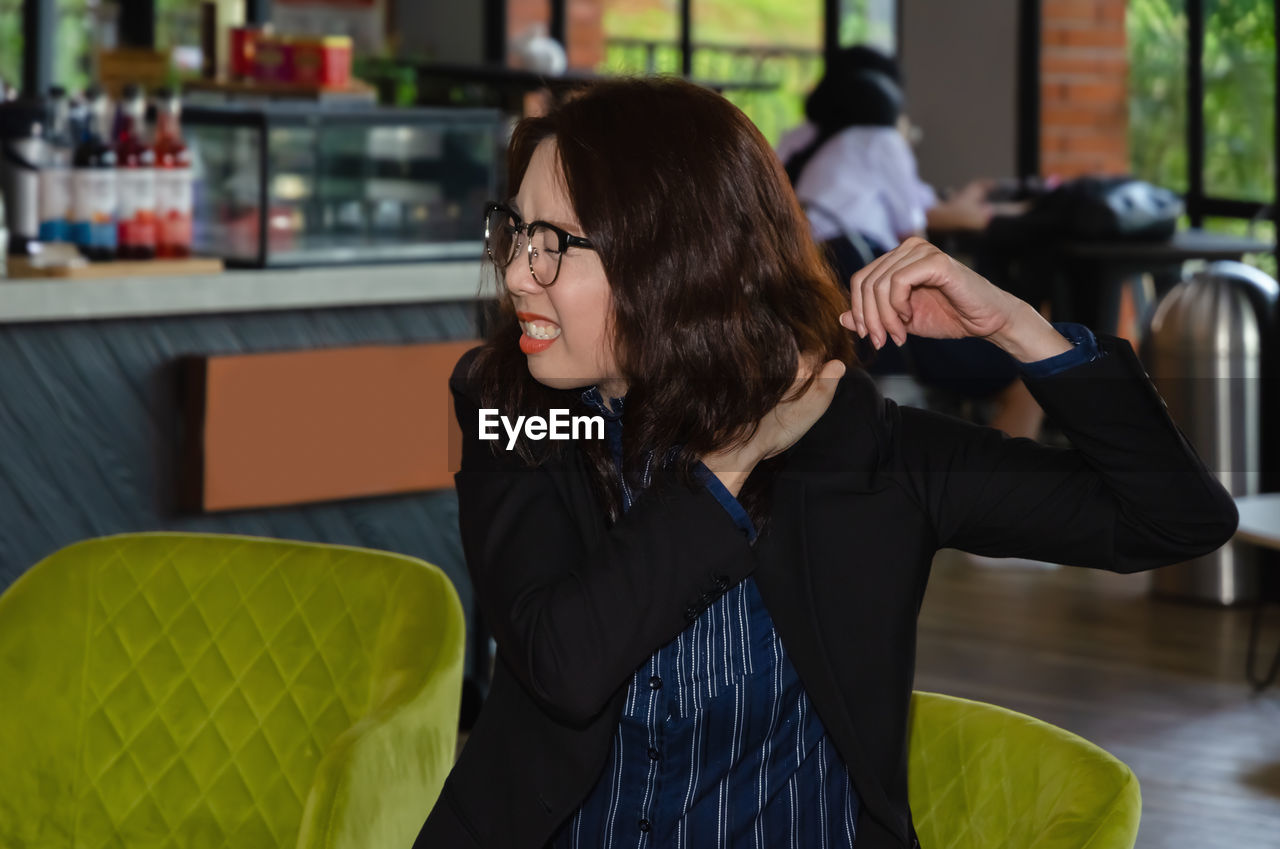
pixel 1217 207
pixel 138 23
pixel 559 24
pixel 1195 111
pixel 39 40
pixel 1030 41
pixel 686 38
pixel 257 12
pixel 495 32
pixel 830 28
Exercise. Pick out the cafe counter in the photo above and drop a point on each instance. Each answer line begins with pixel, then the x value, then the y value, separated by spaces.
pixel 305 404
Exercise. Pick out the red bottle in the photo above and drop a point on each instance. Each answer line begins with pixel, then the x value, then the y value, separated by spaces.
pixel 136 179
pixel 173 179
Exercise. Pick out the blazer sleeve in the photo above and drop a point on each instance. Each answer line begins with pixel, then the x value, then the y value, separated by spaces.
pixel 1130 494
pixel 573 622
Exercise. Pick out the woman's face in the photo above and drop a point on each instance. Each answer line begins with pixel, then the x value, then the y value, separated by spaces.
pixel 564 326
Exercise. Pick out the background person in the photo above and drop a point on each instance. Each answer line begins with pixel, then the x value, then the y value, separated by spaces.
pixel 855 174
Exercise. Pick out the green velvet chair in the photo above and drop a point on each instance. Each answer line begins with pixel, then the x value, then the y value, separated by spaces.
pixel 184 690
pixel 982 776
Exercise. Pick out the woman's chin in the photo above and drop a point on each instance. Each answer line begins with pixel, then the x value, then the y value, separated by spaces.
pixel 554 380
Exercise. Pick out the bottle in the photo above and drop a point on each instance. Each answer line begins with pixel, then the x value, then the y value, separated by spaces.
pixel 136 176
pixel 93 182
pixel 22 158
pixel 173 179
pixel 55 171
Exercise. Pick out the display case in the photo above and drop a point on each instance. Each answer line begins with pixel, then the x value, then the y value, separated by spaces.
pixel 290 184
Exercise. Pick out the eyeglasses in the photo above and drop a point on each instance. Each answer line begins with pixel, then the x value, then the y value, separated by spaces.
pixel 545 243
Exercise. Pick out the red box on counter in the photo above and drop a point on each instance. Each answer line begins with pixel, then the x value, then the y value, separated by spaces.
pixel 272 61
pixel 324 61
pixel 243 59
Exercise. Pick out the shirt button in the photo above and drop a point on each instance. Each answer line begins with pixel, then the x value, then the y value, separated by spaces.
pixel 655 683
pixel 654 754
pixel 644 825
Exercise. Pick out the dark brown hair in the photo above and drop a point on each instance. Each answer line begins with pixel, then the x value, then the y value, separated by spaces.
pixel 717 286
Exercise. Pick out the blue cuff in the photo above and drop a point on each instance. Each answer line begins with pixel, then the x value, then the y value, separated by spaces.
pixel 735 510
pixel 1085 350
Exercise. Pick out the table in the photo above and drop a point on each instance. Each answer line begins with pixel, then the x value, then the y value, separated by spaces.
pixel 1185 245
pixel 1108 285
pixel 1260 526
pixel 1122 280
pixel 1260 519
pixel 241 291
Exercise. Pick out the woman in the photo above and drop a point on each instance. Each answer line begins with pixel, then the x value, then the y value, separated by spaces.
pixel 706 621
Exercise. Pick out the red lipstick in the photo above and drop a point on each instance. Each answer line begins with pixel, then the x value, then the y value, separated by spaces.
pixel 530 344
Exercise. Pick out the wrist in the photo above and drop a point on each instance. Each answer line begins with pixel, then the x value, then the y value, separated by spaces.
pixel 1028 337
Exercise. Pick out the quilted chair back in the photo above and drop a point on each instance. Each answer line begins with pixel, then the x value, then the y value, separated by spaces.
pixel 210 691
pixel 983 776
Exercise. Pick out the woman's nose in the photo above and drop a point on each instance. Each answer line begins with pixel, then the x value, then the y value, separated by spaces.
pixel 519 278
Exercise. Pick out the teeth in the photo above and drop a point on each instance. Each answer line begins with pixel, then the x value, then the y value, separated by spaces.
pixel 537 332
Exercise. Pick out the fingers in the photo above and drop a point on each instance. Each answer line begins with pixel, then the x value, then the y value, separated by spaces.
pixel 855 291
pixel 880 307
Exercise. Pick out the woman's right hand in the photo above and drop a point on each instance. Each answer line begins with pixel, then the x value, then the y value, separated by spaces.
pixel 781 427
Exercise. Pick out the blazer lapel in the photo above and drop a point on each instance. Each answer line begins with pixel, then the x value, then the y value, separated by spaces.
pixel 784 576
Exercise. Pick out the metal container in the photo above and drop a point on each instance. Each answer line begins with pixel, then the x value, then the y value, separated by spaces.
pixel 21 152
pixel 4 241
pixel 1209 345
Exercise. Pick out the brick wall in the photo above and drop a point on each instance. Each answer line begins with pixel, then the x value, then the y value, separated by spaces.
pixel 1084 98
pixel 584 27
pixel 585 33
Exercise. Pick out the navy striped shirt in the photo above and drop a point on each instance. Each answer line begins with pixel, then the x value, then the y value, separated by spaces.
pixel 717 744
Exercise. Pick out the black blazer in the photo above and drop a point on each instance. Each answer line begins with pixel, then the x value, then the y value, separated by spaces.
pixel 864 501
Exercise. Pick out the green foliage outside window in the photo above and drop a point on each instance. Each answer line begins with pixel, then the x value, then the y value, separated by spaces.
pixel 774 42
pixel 11 41
pixel 1239 72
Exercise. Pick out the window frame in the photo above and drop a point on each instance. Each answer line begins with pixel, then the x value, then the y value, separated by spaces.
pixel 1200 204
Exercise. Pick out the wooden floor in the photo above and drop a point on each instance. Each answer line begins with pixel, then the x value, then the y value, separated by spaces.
pixel 1160 684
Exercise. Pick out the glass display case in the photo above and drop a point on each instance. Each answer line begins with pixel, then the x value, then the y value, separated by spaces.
pixel 289 184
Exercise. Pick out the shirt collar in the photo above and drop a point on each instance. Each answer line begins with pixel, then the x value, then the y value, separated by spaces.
pixel 593 399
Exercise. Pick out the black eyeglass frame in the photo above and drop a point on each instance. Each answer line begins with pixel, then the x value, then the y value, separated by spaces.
pixel 564 240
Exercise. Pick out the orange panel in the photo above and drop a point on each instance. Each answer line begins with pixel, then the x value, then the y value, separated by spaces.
pixel 331 424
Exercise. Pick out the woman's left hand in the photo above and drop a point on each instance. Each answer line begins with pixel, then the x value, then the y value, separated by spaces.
pixel 916 288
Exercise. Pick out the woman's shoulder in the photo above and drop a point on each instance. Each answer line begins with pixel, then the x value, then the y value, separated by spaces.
pixel 878 145
pixel 861 161
pixel 462 381
pixel 864 406
pixel 855 432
